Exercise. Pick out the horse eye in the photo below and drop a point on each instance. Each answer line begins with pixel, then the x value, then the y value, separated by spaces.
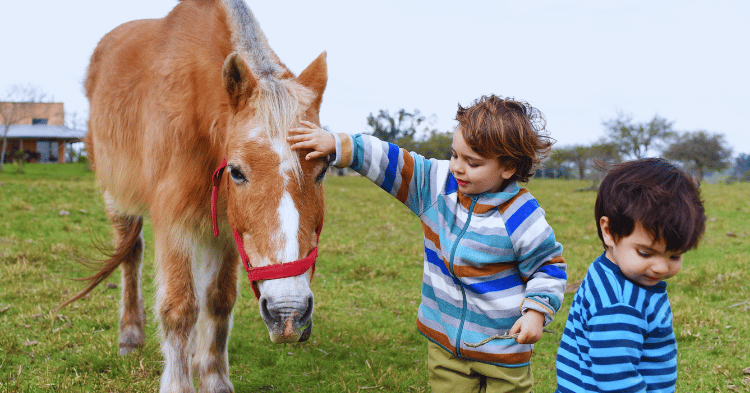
pixel 237 175
pixel 321 175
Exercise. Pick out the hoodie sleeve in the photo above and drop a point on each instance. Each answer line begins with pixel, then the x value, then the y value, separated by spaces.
pixel 406 176
pixel 540 259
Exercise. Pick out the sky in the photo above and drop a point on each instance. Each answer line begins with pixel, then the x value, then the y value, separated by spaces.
pixel 581 62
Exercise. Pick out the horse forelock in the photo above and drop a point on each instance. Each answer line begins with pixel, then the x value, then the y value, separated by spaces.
pixel 279 105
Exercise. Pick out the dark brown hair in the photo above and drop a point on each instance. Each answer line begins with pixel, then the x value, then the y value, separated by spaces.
pixel 655 194
pixel 513 131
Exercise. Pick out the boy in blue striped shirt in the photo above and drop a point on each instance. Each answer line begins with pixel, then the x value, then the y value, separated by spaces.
pixel 493 273
pixel 619 337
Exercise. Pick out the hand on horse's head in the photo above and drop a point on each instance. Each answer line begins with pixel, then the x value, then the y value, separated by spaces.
pixel 310 136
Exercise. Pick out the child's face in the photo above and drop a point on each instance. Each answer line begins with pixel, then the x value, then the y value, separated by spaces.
pixel 640 258
pixel 475 174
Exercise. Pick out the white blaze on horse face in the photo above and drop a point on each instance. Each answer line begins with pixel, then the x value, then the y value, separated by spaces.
pixel 256 134
pixel 279 146
pixel 285 240
pixel 285 161
pixel 289 219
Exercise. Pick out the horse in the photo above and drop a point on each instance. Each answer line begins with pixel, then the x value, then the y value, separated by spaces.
pixel 174 104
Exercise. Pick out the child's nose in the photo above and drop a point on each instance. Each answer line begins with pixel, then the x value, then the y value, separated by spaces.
pixel 455 167
pixel 660 266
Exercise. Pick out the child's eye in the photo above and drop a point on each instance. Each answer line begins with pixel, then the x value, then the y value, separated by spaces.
pixel 643 254
pixel 473 164
pixel 676 257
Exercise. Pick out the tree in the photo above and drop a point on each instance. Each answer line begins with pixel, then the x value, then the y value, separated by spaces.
pixel 702 151
pixel 13 110
pixel 577 156
pixel 411 131
pixel 742 166
pixel 583 157
pixel 391 129
pixel 437 145
pixel 554 166
pixel 635 139
pixel 606 152
pixel 76 151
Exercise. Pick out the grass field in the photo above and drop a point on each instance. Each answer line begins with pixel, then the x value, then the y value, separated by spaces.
pixel 366 289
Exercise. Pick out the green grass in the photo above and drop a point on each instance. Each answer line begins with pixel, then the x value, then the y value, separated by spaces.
pixel 366 292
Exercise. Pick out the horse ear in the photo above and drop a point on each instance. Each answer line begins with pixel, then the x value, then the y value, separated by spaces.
pixel 315 78
pixel 238 80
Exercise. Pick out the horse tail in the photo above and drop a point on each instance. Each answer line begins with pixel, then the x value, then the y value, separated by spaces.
pixel 129 245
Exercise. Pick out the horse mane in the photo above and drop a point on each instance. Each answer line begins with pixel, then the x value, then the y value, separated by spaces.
pixel 248 38
pixel 278 99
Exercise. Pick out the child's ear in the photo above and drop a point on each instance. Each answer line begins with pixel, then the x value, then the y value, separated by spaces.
pixel 508 171
pixel 609 241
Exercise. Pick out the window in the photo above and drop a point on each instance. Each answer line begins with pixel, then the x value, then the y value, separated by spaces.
pixel 39 121
pixel 47 151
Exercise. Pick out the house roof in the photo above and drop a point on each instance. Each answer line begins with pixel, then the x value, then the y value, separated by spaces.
pixel 39 131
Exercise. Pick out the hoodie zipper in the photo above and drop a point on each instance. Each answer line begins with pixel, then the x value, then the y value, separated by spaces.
pixel 463 291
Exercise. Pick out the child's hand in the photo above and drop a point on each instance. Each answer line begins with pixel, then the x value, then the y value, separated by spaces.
pixel 312 137
pixel 529 327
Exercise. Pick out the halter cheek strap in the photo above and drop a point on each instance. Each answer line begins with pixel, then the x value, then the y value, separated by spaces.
pixel 270 272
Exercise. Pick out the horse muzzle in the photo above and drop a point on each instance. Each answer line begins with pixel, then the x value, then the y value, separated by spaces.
pixel 287 318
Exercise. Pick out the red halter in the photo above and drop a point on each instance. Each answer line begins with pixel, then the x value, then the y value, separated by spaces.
pixel 269 272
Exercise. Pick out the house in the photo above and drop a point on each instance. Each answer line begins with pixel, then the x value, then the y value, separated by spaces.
pixel 37 128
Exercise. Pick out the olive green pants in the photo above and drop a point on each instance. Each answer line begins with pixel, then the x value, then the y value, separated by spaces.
pixel 451 374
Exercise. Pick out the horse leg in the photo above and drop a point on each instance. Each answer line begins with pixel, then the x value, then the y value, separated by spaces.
pixel 176 306
pixel 217 288
pixel 129 249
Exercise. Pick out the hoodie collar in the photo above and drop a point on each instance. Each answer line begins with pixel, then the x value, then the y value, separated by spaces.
pixel 486 201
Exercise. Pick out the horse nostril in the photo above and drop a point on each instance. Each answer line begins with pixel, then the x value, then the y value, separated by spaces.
pixel 307 312
pixel 306 332
pixel 265 313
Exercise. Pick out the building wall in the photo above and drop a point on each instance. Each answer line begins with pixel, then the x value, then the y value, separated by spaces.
pixel 54 112
pixel 28 145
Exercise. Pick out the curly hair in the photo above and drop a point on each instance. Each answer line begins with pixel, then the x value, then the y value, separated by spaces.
pixel 511 130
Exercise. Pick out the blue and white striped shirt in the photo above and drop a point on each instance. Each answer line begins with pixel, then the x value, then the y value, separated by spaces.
pixel 618 337
pixel 488 257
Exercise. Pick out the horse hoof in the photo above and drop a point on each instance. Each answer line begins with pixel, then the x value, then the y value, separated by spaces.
pixel 131 338
pixel 216 385
pixel 126 349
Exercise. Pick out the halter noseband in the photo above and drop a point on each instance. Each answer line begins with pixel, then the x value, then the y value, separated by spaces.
pixel 269 272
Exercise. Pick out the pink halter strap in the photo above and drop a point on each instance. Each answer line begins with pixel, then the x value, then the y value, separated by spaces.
pixel 269 272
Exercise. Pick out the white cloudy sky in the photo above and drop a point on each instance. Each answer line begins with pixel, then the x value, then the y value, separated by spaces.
pixel 578 61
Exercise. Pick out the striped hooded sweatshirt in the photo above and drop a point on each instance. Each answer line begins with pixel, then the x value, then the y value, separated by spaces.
pixel 488 258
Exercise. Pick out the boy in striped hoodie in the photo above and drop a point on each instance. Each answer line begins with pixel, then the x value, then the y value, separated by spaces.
pixel 494 275
pixel 619 337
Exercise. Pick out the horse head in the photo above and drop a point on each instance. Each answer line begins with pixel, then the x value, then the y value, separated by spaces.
pixel 274 198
